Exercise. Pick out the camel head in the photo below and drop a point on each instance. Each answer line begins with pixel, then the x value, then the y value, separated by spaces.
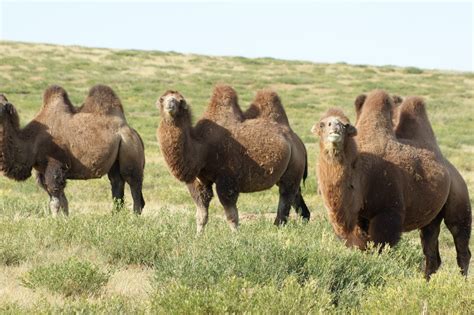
pixel 172 105
pixel 8 111
pixel 333 129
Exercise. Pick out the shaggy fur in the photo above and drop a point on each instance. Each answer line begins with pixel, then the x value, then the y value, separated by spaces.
pixel 63 142
pixel 375 185
pixel 238 156
pixel 267 104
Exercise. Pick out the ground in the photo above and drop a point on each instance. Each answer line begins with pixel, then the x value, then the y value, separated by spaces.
pixel 95 261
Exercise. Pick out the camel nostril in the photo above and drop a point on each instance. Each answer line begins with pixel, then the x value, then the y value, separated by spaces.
pixel 329 124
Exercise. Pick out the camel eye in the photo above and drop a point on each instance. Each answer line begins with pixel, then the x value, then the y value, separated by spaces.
pixel 321 125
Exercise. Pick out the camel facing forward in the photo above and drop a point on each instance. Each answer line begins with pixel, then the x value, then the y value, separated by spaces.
pixel 65 142
pixel 239 152
pixel 378 180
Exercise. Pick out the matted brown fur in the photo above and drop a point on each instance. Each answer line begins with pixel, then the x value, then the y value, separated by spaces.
pixel 380 185
pixel 237 155
pixel 63 142
pixel 267 104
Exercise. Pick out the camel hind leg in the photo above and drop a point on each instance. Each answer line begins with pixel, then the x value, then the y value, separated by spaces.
pixel 458 219
pixel 300 206
pixel 118 186
pixel 131 164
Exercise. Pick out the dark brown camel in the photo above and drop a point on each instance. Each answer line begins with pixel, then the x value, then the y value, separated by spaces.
pixel 239 155
pixel 64 142
pixel 377 184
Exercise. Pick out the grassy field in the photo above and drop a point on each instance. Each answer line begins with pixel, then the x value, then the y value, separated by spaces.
pixel 94 261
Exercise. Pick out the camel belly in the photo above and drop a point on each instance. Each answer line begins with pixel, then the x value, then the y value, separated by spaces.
pixel 92 161
pixel 263 162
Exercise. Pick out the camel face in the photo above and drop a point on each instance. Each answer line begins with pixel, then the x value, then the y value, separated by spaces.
pixel 171 104
pixel 332 131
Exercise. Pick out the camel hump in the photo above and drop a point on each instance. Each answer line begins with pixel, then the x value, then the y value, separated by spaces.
pixel 224 100
pixel 102 99
pixel 267 104
pixel 414 122
pixel 378 100
pixel 414 105
pixel 57 95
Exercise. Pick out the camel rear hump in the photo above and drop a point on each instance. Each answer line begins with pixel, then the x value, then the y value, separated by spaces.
pixel 102 100
pixel 414 124
pixel 267 104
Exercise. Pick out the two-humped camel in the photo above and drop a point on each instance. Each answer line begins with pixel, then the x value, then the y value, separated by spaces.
pixel 239 152
pixel 379 180
pixel 65 142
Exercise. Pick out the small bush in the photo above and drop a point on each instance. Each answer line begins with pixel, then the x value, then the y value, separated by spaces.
pixel 72 277
pixel 413 70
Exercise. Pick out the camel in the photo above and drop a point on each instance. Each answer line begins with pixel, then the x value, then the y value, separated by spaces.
pixel 378 181
pixel 236 153
pixel 66 142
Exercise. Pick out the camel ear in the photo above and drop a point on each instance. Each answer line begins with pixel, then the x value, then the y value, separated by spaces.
pixel 316 130
pixel 159 102
pixel 184 104
pixel 351 131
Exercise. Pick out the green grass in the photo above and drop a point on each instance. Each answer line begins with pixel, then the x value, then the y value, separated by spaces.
pixel 99 262
pixel 71 277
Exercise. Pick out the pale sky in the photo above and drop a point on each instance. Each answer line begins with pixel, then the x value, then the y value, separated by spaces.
pixel 426 34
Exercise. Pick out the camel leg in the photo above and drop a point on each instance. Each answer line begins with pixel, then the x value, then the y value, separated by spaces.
pixel 64 204
pixel 429 241
pixel 287 198
pixel 458 219
pixel 300 206
pixel 54 181
pixel 386 228
pixel 202 195
pixel 228 196
pixel 118 186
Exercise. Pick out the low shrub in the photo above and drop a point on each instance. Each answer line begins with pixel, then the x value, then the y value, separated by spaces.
pixel 71 277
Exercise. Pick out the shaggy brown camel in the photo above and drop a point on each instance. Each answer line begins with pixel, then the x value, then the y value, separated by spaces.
pixel 376 186
pixel 64 142
pixel 239 155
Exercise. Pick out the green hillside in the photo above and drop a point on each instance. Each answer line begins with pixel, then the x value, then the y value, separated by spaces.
pixel 98 262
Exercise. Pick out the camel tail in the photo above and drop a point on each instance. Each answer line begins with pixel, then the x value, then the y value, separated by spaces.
pixel 305 172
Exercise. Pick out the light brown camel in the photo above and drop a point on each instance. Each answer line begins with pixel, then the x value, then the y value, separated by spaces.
pixel 376 186
pixel 239 155
pixel 64 142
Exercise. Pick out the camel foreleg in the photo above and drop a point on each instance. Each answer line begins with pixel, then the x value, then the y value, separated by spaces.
pixel 202 195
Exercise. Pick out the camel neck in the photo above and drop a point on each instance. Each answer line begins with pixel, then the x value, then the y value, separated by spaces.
pixel 182 152
pixel 16 158
pixel 338 185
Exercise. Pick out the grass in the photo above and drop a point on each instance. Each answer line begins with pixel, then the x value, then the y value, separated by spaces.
pixel 99 262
